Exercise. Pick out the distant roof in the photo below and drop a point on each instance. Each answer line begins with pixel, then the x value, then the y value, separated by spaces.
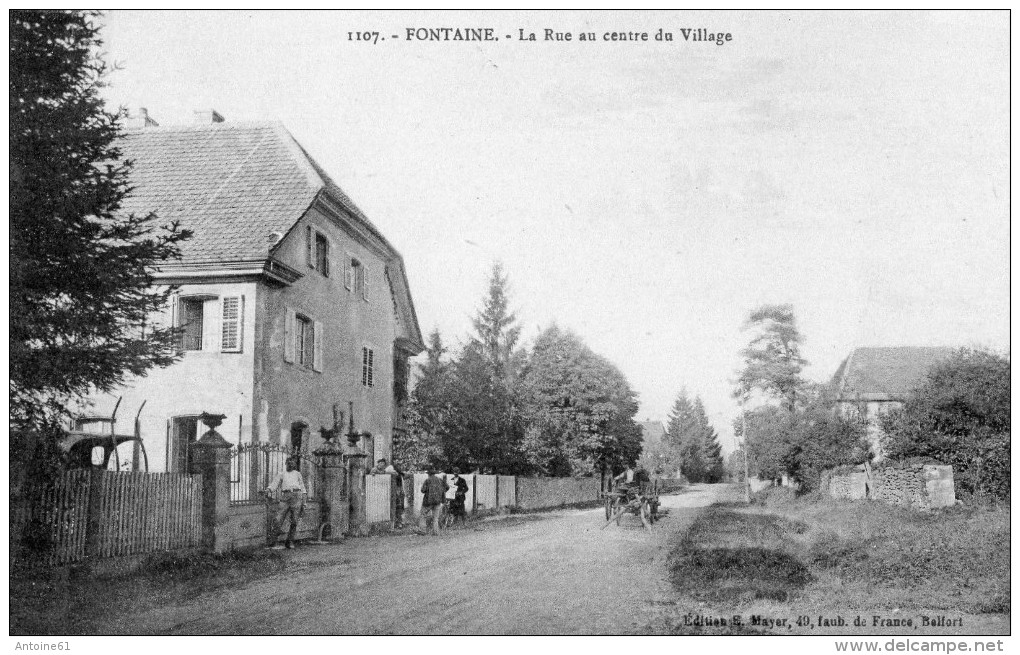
pixel 886 373
pixel 232 184
pixel 652 431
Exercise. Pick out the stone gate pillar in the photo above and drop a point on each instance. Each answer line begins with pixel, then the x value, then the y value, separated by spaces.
pixel 335 505
pixel 211 460
pixel 358 520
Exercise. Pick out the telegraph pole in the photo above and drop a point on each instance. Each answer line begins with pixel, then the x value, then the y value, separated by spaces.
pixel 743 431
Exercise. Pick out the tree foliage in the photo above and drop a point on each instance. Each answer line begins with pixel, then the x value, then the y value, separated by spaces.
pixel 802 435
pixel 81 287
pixel 428 409
pixel 581 408
pixel 559 410
pixel 694 440
pixel 772 359
pixel 959 416
pixel 803 443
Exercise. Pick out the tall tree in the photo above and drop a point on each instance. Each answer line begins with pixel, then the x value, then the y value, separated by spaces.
pixel 711 450
pixel 81 289
pixel 581 408
pixel 686 432
pixel 485 422
pixel 772 359
pixel 428 411
pixel 496 329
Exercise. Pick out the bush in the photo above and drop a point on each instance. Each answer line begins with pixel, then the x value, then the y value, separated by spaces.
pixel 960 416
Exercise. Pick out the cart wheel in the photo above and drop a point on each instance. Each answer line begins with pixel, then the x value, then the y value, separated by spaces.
pixel 645 513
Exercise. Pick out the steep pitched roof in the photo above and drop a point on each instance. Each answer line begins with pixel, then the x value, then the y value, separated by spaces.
pixel 886 373
pixel 231 183
pixel 234 184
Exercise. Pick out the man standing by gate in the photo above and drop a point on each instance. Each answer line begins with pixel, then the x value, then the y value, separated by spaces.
pixel 292 501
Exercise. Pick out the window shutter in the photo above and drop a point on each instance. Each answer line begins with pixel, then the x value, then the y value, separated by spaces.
pixel 329 253
pixel 175 320
pixel 288 336
pixel 348 272
pixel 371 368
pixel 211 325
pixel 232 324
pixel 317 347
pixel 364 281
pixel 310 246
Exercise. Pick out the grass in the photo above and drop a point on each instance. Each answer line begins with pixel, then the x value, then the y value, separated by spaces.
pixel 782 553
pixel 47 601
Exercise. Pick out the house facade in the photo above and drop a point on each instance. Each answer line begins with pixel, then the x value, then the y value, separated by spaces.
pixel 291 302
pixel 871 382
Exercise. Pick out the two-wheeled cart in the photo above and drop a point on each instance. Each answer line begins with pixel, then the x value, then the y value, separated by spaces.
pixel 640 500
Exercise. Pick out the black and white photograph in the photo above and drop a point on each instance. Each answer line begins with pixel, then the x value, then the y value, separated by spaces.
pixel 344 324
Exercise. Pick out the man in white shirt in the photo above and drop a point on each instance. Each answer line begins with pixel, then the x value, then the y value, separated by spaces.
pixel 292 501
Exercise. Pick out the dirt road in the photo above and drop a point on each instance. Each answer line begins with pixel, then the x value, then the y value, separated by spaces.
pixel 550 573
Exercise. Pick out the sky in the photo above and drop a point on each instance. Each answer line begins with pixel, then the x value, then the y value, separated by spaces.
pixel 645 195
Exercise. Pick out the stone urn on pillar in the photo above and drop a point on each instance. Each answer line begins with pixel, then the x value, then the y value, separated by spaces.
pixel 211 459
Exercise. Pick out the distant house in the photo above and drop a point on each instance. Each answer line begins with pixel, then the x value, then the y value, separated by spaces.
pixel 290 300
pixel 652 433
pixel 873 381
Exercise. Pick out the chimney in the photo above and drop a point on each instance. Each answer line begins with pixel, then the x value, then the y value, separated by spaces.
pixel 207 116
pixel 142 120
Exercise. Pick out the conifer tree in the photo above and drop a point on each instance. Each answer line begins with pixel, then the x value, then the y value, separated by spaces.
pixel 81 289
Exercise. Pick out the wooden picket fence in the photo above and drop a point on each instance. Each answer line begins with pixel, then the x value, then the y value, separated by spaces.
pixel 378 499
pixel 110 514
pixel 148 512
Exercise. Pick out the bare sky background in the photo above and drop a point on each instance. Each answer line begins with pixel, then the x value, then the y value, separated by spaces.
pixel 644 195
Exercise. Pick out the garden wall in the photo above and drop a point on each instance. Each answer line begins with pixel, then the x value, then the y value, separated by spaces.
pixel 922 486
pixel 247 525
pixel 541 493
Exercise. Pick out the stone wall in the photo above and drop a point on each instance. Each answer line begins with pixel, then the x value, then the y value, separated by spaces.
pixel 247 524
pixel 541 493
pixel 921 486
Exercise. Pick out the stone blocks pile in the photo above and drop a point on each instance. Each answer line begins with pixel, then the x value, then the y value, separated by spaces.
pixel 921 486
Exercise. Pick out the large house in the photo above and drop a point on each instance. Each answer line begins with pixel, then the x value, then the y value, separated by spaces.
pixel 290 300
pixel 874 381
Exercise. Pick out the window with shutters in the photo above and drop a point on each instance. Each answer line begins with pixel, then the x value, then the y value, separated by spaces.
pixel 231 324
pixel 367 367
pixel 356 277
pixel 302 343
